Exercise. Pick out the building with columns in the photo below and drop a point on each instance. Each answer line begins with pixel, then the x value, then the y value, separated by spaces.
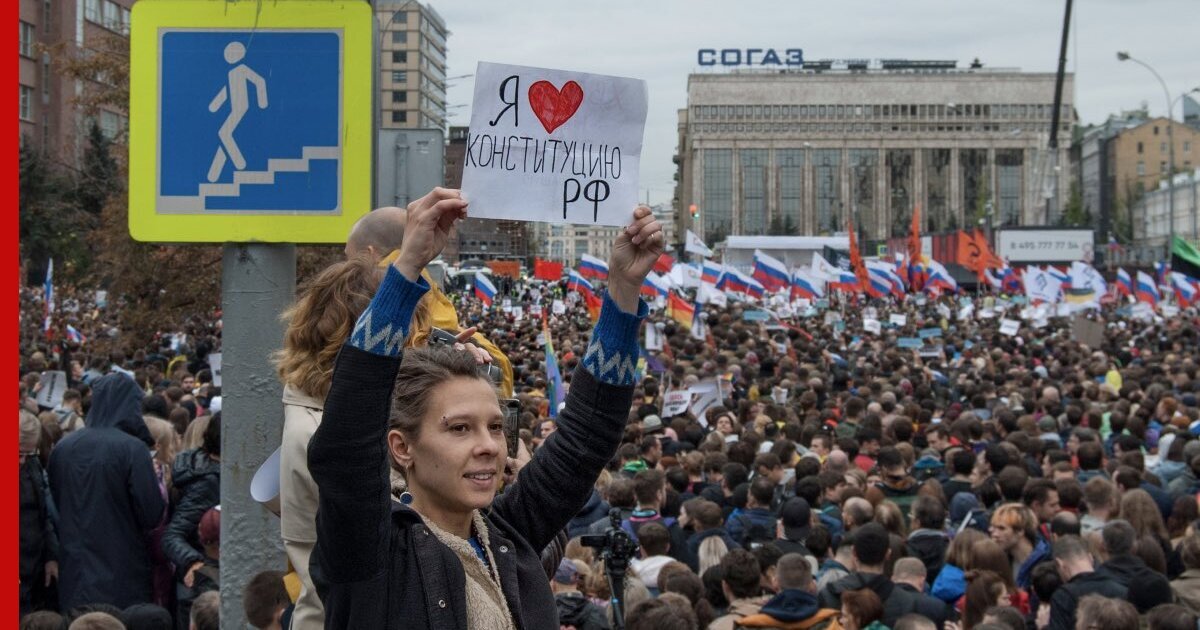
pixel 799 151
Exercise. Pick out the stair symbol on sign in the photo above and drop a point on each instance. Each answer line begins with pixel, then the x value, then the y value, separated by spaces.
pixel 188 203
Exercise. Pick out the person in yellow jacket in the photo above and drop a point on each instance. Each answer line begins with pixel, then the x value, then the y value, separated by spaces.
pixel 378 234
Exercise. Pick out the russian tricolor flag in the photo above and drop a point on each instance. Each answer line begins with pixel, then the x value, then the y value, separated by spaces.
pixel 74 335
pixel 769 271
pixel 753 287
pixel 846 281
pixel 884 278
pixel 592 267
pixel 1060 275
pixel 1183 285
pixel 654 287
pixel 576 282
pixel 1011 281
pixel 484 289
pixel 806 287
pixel 1124 282
pixel 711 272
pixel 1145 290
pixel 940 279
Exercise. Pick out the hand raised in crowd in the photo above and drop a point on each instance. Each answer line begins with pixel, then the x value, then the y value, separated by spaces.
pixel 634 253
pixel 427 229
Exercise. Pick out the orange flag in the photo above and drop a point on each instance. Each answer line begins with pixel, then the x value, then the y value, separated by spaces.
pixel 990 259
pixel 914 245
pixel 859 267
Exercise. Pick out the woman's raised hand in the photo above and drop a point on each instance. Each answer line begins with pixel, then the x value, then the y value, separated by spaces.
pixel 634 253
pixel 427 229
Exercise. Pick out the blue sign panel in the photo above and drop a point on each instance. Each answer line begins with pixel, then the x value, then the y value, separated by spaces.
pixel 249 121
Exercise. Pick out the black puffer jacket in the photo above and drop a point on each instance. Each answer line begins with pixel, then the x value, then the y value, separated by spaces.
pixel 197 477
pixel 377 565
pixel 898 599
pixel 103 482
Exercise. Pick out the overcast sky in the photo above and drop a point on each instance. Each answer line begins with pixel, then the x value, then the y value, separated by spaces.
pixel 657 40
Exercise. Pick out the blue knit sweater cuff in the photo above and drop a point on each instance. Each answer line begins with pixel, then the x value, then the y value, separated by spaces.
pixel 382 328
pixel 612 353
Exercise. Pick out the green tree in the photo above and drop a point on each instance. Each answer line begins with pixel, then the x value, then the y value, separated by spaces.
pixel 48 223
pixel 99 174
pixel 776 227
pixel 789 226
pixel 983 197
pixel 1074 214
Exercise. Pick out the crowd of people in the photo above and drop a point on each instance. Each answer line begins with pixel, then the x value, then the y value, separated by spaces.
pixel 990 480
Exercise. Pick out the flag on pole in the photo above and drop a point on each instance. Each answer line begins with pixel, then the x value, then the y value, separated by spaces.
pixel 939 280
pixel 1185 287
pixel 48 295
pixel 554 386
pixel 1041 286
pixel 859 268
pixel 711 272
pixel 822 269
pixel 916 274
pixel 1124 282
pixel 592 267
pixel 695 245
pixel 484 289
pixel 664 263
pixel 884 278
pixel 75 336
pixel 654 286
pixel 577 283
pixel 769 271
pixel 1146 290
pixel 680 310
pixel 807 287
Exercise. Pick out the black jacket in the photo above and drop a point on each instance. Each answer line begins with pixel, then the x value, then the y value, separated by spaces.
pixel 1066 597
pixel 898 599
pixel 929 546
pixel 1146 587
pixel 103 483
pixel 198 479
pixel 380 567
pixel 594 510
pixel 575 610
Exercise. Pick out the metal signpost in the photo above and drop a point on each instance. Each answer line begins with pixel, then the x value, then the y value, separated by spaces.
pixel 250 125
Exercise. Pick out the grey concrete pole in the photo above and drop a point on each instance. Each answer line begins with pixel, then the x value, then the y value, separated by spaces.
pixel 257 282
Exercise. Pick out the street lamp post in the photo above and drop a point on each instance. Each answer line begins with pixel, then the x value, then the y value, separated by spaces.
pixel 1124 56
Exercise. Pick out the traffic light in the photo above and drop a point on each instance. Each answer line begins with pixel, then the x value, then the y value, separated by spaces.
pixel 695 211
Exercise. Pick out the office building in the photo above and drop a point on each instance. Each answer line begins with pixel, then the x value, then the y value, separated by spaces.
pixel 800 151
pixel 412 65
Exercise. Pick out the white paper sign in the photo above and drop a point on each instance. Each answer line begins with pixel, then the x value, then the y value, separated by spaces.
pixel 872 326
pixel 535 310
pixel 965 312
pixel 1009 327
pixel 558 307
pixel 675 403
pixel 654 339
pixel 779 395
pixel 214 364
pixel 506 305
pixel 1169 310
pixel 554 145
pixel 898 319
pixel 1143 311
pixel 51 388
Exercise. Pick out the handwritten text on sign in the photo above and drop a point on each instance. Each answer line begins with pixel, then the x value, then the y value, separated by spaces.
pixel 554 146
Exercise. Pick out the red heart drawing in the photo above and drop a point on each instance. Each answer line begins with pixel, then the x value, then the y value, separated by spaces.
pixel 553 106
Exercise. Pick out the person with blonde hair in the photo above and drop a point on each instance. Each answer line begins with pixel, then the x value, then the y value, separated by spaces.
pixel 1014 527
pixel 452 553
pixel 318 324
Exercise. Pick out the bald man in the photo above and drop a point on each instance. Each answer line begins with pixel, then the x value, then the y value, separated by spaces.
pixel 379 234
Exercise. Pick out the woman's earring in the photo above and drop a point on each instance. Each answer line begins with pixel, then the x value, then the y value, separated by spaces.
pixel 406 498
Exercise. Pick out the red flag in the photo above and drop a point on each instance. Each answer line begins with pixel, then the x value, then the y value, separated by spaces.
pixel 990 259
pixel 914 247
pixel 664 263
pixel 859 267
pixel 594 302
pixel 547 270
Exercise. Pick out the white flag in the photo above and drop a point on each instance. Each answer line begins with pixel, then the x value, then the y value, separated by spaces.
pixel 822 268
pixel 696 246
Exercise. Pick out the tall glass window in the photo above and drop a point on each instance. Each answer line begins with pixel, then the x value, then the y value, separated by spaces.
pixel 827 164
pixel 900 200
pixel 937 188
pixel 1009 166
pixel 791 184
pixel 754 190
pixel 863 164
pixel 717 211
pixel 976 189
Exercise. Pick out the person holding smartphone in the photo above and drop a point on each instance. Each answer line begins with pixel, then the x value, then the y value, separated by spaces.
pixel 452 553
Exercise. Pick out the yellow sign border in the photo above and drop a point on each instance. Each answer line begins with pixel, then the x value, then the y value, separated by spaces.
pixel 353 17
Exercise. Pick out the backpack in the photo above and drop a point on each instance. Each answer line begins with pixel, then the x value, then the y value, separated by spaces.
pixel 755 534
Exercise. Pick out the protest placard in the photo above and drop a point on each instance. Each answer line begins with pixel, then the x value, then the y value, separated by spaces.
pixel 1169 310
pixel 535 310
pixel 1009 326
pixel 554 145
pixel 872 326
pixel 51 388
pixel 925 333
pixel 897 319
pixel 910 342
pixel 654 338
pixel 779 395
pixel 558 307
pixel 1087 332
pixel 214 364
pixel 675 402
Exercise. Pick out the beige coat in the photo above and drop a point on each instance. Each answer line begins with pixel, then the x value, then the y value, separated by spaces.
pixel 1187 590
pixel 738 608
pixel 298 500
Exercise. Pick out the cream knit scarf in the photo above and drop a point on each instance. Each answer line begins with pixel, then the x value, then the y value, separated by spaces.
pixel 486 606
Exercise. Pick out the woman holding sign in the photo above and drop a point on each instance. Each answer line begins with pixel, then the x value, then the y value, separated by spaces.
pixel 453 554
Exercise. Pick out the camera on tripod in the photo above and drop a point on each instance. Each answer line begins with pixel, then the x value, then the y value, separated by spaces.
pixel 616 548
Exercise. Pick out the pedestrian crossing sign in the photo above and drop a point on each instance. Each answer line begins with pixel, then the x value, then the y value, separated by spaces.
pixel 249 121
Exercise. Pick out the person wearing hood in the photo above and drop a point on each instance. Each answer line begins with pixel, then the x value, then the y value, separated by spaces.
pixel 103 482
pixel 928 542
pixel 197 477
pixel 574 608
pixel 871 550
pixel 795 606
